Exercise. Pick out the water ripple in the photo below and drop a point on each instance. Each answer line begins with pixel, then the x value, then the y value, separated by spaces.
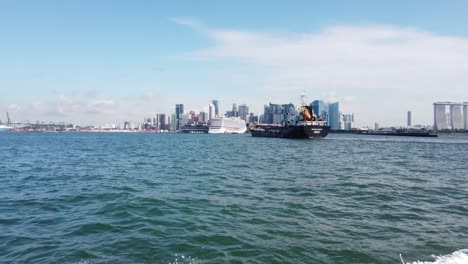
pixel 155 198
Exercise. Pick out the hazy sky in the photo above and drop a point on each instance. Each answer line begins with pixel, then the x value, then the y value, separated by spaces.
pixel 98 62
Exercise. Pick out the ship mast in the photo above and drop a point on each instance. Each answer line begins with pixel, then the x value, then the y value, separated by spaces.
pixel 8 119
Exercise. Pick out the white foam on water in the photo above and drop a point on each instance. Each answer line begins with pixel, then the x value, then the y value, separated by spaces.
pixel 457 257
pixel 181 259
pixel 86 261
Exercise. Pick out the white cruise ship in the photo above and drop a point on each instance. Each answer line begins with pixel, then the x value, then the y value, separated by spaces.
pixel 227 125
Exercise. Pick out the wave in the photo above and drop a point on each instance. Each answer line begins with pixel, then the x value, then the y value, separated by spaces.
pixel 457 257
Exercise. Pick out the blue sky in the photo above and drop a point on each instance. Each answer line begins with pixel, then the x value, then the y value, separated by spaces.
pixel 94 62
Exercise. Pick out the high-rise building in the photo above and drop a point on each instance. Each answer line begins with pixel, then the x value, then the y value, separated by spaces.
pixel 235 112
pixel 348 122
pixel 216 107
pixel 376 126
pixel 319 107
pixel 174 121
pixel 161 121
pixel 204 116
pixel 456 116
pixel 276 113
pixel 465 115
pixel 408 119
pixel 183 120
pixel 440 116
pixel 179 112
pixel 126 125
pixel 243 112
pixel 211 111
pixel 334 115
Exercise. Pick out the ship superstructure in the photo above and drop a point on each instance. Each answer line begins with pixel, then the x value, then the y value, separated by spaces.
pixel 227 125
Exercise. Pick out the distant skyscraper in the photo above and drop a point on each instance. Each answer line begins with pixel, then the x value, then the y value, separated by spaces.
pixel 183 120
pixel 161 121
pixel 179 112
pixel 216 107
pixel 456 116
pixel 376 126
pixel 348 122
pixel 243 112
pixel 440 116
pixel 126 125
pixel 334 115
pixel 319 107
pixel 179 109
pixel 465 115
pixel 211 111
pixel 204 116
pixel 408 119
pixel 235 113
pixel 174 121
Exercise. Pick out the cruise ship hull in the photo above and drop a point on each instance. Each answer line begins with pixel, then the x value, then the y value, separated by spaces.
pixel 293 132
pixel 227 125
pixel 227 131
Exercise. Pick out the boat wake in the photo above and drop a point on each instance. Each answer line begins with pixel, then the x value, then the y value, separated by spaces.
pixel 457 257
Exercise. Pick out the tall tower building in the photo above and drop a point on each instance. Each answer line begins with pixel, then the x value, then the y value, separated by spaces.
pixel 174 122
pixel 456 116
pixel 319 107
pixel 235 113
pixel 465 115
pixel 216 107
pixel 179 112
pixel 408 119
pixel 334 116
pixel 243 112
pixel 161 124
pixel 211 112
pixel 440 117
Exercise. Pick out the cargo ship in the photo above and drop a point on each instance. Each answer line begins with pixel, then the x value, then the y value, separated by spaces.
pixel 305 125
pixel 403 133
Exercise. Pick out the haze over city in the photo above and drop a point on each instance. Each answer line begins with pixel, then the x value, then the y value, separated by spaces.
pixel 107 62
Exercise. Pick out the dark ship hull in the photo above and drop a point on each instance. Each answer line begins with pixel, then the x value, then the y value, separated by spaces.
pixel 293 132
pixel 404 134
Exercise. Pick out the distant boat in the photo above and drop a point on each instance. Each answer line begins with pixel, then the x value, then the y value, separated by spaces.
pixel 227 125
pixel 403 133
pixel 4 128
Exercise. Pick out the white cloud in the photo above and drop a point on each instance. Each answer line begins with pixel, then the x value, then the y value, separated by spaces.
pixel 384 68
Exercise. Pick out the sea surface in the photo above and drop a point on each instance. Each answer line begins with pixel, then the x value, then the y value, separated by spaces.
pixel 175 198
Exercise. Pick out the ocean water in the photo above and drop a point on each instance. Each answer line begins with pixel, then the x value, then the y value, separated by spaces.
pixel 174 198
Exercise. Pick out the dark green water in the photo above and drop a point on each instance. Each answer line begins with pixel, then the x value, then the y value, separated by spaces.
pixel 154 198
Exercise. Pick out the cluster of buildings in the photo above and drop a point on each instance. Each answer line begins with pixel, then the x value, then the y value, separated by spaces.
pixel 450 116
pixel 182 118
pixel 332 114
pixel 272 114
pixel 447 116
pixel 277 113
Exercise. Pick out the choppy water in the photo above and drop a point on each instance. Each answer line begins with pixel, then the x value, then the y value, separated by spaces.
pixel 154 198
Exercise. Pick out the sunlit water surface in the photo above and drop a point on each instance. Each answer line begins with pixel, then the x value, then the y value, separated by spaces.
pixel 174 198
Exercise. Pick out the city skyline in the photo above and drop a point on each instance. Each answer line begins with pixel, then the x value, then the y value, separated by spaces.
pixel 95 63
